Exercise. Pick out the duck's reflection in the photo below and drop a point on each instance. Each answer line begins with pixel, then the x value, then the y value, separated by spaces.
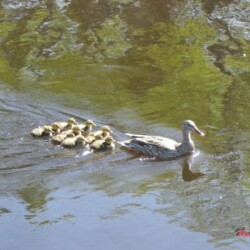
pixel 187 173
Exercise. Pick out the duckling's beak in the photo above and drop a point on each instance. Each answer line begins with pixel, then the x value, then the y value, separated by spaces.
pixel 199 132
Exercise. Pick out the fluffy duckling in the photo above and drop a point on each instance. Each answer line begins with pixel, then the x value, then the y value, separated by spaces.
pixel 96 142
pixel 87 127
pixel 56 128
pixel 91 138
pixel 75 141
pixel 101 145
pixel 42 131
pixel 58 139
pixel 66 125
pixel 76 130
pixel 37 132
pixel 104 132
pixel 47 131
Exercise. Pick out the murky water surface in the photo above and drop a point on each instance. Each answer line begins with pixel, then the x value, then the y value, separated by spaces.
pixel 140 67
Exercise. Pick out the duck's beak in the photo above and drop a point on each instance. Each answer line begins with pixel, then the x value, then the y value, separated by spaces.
pixel 199 132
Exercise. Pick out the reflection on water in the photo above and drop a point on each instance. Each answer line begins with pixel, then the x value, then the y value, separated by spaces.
pixel 141 67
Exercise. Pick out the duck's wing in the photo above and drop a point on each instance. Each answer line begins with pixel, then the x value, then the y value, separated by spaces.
pixel 165 143
pixel 160 141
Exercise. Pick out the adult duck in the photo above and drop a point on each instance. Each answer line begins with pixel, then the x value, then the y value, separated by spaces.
pixel 162 147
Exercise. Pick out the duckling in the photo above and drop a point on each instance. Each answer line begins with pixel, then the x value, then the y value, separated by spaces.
pixel 104 132
pixel 107 144
pixel 96 142
pixel 47 131
pixel 37 132
pixel 67 125
pixel 91 138
pixel 76 130
pixel 72 142
pixel 42 131
pixel 87 127
pixel 56 128
pixel 58 139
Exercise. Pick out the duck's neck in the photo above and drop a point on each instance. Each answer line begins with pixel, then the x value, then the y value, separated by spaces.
pixel 187 143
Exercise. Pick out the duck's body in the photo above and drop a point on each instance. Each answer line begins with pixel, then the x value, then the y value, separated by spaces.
pixel 162 147
pixel 72 142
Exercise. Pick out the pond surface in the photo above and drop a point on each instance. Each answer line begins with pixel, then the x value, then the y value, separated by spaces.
pixel 140 67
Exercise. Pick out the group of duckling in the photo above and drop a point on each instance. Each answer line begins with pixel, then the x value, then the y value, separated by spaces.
pixel 70 134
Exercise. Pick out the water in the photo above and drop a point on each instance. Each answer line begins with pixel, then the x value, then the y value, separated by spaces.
pixel 140 67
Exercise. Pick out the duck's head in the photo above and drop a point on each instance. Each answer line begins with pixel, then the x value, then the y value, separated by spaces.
pixel 106 129
pixel 109 140
pixel 89 123
pixel 189 126
pixel 71 121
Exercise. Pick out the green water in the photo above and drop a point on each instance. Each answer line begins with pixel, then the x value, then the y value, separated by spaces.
pixel 140 67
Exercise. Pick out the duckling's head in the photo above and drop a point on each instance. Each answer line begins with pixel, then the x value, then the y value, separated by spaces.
pixel 89 123
pixel 189 126
pixel 56 127
pixel 76 129
pixel 106 129
pixel 71 121
pixel 109 140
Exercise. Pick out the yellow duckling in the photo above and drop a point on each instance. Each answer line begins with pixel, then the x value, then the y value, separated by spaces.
pixel 47 131
pixel 66 125
pixel 75 141
pixel 96 142
pixel 76 130
pixel 42 131
pixel 56 128
pixel 107 144
pixel 87 127
pixel 104 132
pixel 37 132
pixel 58 139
